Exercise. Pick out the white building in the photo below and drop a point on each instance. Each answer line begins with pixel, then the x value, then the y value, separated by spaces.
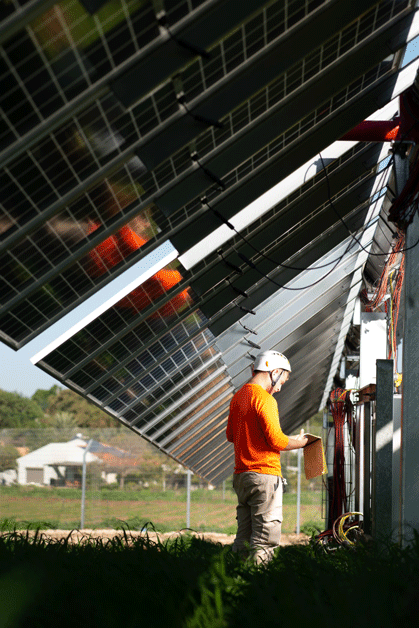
pixel 55 462
pixel 61 463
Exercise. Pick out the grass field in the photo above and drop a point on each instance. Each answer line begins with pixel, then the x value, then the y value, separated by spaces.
pixel 210 510
pixel 191 583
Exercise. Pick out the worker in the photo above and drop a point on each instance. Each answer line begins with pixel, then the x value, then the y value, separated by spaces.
pixel 253 426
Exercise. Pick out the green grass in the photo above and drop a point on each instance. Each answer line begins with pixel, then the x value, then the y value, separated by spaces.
pixel 61 508
pixel 190 583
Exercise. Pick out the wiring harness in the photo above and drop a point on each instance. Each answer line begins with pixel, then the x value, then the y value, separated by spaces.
pixel 346 530
pixel 341 408
pixel 390 283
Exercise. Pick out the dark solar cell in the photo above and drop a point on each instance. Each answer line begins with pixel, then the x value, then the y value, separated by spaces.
pixel 150 358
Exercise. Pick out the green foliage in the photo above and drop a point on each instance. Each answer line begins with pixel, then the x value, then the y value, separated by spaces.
pixel 18 411
pixel 44 398
pixel 62 426
pixel 51 408
pixel 11 523
pixel 315 424
pixel 191 583
pixel 311 528
pixel 85 413
pixel 106 493
pixel 8 455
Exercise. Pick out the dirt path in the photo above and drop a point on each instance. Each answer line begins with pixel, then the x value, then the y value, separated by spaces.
pixel 75 536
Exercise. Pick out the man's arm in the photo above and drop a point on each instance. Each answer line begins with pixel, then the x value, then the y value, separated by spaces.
pixel 296 442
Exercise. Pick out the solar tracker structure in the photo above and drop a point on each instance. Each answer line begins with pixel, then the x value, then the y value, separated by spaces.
pixel 214 126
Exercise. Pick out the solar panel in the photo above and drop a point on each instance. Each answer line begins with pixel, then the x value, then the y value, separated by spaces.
pixel 125 125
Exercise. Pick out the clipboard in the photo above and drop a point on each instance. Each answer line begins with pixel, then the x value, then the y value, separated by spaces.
pixel 314 458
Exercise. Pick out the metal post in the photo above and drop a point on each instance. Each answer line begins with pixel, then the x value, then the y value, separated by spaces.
pixel 188 498
pixel 410 412
pixel 299 451
pixel 359 458
pixel 367 467
pixel 396 471
pixel 330 447
pixel 383 452
pixel 83 483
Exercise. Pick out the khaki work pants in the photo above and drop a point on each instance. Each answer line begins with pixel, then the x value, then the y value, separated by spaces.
pixel 259 514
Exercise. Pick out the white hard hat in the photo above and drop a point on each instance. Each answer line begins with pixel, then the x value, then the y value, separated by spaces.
pixel 270 360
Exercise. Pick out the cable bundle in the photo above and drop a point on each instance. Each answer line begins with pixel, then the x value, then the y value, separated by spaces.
pixel 381 290
pixel 389 282
pixel 405 205
pixel 341 409
pixel 395 295
pixel 343 532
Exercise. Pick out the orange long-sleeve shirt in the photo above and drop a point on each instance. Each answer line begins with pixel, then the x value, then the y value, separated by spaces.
pixel 253 426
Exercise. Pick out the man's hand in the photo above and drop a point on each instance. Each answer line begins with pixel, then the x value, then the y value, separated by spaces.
pixel 303 439
pixel 297 442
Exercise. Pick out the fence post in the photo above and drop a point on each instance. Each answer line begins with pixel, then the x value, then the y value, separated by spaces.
pixel 188 498
pixel 83 483
pixel 299 451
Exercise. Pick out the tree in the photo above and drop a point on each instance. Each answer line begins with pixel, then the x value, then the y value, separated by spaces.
pixel 64 426
pixel 18 411
pixel 44 398
pixel 8 455
pixel 85 413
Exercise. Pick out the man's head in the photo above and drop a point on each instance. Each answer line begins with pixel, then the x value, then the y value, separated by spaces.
pixel 274 365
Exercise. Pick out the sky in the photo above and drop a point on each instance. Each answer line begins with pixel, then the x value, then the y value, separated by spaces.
pixel 18 374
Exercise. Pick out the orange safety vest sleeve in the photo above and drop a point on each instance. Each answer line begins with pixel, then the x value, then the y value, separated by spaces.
pixel 253 426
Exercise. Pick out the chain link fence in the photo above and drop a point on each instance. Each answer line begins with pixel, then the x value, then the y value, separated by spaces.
pixel 106 478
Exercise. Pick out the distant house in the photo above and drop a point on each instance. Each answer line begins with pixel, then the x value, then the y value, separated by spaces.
pixel 60 464
pixel 8 477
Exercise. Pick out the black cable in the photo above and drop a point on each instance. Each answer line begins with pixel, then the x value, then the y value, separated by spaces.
pixel 195 50
pixel 247 241
pixel 347 228
pixel 198 116
pixel 208 172
pixel 335 262
pixel 267 257
pixel 236 269
pixel 303 287
pixel 240 292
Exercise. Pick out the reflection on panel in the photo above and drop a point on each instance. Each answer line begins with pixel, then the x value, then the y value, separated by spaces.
pixel 49 247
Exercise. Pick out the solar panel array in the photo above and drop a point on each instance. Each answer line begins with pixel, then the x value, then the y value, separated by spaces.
pixel 127 124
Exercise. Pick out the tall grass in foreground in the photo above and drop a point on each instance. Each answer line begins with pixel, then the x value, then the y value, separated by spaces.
pixel 189 583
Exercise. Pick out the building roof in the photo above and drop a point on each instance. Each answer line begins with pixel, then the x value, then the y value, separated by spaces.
pixel 70 453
